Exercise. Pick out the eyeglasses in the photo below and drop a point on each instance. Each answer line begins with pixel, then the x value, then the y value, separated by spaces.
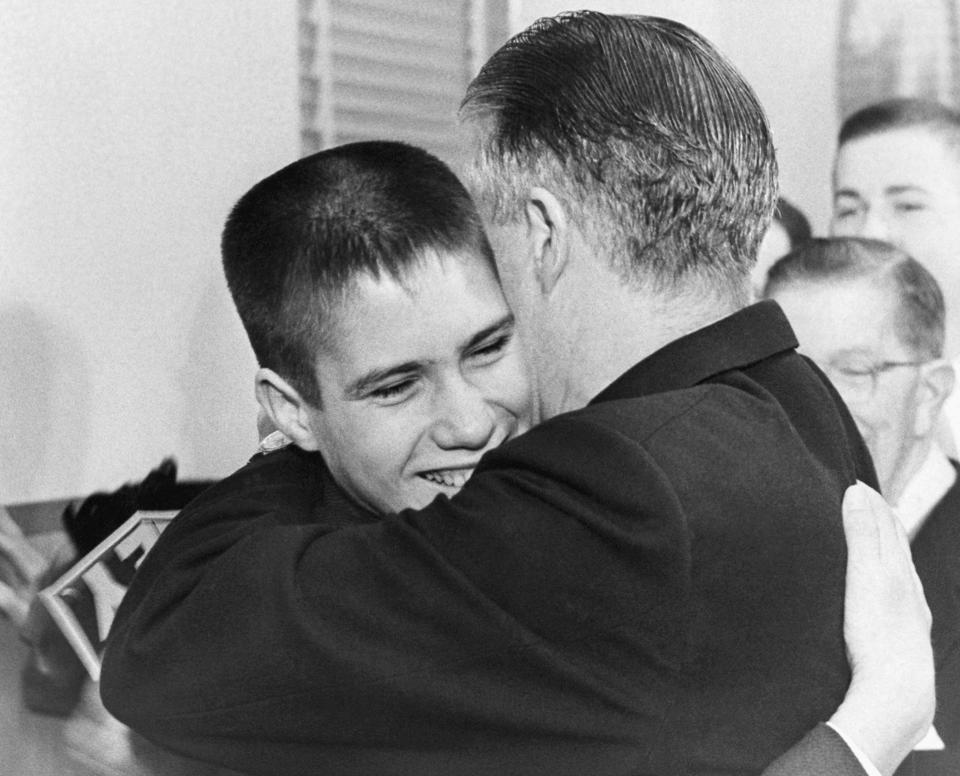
pixel 860 380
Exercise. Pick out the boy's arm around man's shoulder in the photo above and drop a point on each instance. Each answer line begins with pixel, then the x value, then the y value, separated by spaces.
pixel 261 621
pixel 254 615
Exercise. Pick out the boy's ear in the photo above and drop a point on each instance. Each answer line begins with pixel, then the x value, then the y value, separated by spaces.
pixel 548 233
pixel 937 384
pixel 285 407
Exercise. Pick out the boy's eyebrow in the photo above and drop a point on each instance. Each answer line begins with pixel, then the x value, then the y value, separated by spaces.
pixel 846 193
pixel 856 351
pixel 359 387
pixel 905 188
pixel 364 383
pixel 898 188
pixel 504 323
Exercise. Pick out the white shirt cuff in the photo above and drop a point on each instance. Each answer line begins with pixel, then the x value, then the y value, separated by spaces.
pixel 864 761
pixel 931 742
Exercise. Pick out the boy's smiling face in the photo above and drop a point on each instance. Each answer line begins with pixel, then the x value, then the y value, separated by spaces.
pixel 417 381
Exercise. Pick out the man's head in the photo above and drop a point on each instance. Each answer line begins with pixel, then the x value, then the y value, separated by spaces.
pixel 873 319
pixel 628 142
pixel 897 178
pixel 367 288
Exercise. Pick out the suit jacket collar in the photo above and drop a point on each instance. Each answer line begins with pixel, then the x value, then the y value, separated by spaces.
pixel 743 338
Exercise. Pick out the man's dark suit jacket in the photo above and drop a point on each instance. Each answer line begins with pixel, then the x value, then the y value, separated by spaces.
pixel 650 585
pixel 936 554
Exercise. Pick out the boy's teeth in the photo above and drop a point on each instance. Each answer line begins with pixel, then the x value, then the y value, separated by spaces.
pixel 450 478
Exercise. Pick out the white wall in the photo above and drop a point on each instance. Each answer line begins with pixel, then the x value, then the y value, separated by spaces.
pixel 786 50
pixel 127 130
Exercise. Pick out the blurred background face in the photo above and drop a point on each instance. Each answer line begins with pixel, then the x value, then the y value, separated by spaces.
pixel 420 379
pixel 848 328
pixel 903 187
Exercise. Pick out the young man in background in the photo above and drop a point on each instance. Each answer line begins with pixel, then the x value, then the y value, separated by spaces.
pixel 896 178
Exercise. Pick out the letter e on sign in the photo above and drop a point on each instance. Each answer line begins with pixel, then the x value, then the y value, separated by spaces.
pixel 96 571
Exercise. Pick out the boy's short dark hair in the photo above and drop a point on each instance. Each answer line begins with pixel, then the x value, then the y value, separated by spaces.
pixel 903 113
pixel 293 245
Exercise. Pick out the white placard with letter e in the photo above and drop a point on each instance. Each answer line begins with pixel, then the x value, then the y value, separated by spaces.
pixel 128 544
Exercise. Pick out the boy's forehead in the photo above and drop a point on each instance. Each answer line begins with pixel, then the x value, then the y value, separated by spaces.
pixel 905 151
pixel 427 270
pixel 439 297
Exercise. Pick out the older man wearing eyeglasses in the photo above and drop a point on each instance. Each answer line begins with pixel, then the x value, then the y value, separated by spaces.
pixel 873 319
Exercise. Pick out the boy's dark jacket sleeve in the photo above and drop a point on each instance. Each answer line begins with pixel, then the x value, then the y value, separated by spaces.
pixel 325 641
pixel 299 623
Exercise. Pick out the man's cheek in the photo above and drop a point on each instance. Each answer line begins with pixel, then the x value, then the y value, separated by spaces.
pixel 509 387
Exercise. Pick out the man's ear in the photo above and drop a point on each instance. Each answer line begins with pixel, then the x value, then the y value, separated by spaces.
pixel 549 236
pixel 285 407
pixel 937 379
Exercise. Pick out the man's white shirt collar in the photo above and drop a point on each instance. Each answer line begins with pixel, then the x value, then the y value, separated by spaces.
pixel 923 492
pixel 950 417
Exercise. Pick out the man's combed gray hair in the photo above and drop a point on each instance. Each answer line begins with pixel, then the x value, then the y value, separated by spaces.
pixel 654 143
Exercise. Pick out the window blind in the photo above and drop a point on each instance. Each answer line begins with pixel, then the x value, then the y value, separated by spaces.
pixel 889 48
pixel 389 69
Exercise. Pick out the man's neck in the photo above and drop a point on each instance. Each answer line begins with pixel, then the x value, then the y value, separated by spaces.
pixel 909 464
pixel 927 485
pixel 613 328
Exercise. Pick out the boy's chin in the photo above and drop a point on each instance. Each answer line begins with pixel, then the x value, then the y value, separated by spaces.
pixel 424 492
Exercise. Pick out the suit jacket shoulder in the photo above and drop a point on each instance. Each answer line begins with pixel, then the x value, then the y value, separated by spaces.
pixel 822 752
